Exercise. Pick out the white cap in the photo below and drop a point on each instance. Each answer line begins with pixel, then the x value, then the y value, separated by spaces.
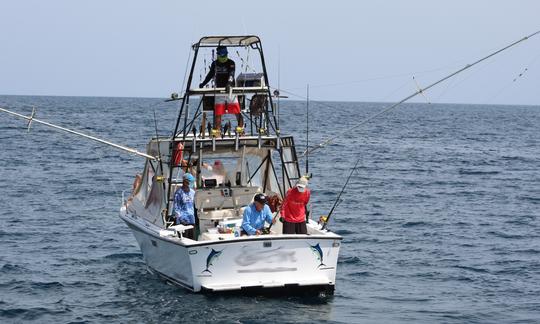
pixel 302 182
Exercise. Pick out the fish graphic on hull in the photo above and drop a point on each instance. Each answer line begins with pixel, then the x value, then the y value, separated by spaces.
pixel 210 259
pixel 319 253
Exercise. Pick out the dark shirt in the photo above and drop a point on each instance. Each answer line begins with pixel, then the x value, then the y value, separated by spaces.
pixel 222 72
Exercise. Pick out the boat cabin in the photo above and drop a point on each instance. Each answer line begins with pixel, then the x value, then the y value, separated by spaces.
pixel 229 171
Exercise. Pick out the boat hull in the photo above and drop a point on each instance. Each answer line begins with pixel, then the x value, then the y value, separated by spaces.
pixel 271 262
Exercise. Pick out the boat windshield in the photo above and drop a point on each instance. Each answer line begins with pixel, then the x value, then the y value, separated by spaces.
pixel 232 169
pixel 222 169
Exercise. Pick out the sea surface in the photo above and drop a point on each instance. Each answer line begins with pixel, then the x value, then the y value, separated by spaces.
pixel 441 220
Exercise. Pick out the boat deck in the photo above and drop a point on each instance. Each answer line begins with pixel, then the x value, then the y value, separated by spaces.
pixel 213 234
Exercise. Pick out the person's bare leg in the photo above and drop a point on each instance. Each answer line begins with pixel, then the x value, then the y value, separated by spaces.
pixel 240 120
pixel 217 123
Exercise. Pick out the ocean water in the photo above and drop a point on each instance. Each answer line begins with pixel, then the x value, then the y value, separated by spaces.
pixel 441 221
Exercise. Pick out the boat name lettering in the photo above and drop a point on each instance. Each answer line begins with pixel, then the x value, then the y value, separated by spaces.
pixel 248 256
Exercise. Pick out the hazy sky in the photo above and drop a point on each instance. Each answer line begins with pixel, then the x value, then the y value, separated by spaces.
pixel 346 50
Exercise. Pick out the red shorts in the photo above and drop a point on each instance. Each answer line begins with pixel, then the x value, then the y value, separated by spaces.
pixel 224 106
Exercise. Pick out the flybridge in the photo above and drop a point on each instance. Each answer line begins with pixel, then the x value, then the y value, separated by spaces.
pixel 251 88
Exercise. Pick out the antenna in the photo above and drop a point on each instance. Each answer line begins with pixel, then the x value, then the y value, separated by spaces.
pixel 307 130
pixel 278 82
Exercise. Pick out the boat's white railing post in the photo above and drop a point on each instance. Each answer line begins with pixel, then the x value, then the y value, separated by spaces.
pixel 199 166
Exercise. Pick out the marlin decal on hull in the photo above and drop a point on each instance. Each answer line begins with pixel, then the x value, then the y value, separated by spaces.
pixel 319 253
pixel 213 255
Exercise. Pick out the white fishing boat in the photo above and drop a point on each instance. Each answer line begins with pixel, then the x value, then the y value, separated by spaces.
pixel 256 159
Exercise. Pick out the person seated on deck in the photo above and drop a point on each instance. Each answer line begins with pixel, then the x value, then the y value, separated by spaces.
pixel 255 216
pixel 222 70
pixel 294 208
pixel 184 209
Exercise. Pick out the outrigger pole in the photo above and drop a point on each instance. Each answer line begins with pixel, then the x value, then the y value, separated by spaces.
pixel 420 91
pixel 120 147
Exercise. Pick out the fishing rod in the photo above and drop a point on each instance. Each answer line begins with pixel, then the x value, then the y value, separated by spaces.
pixel 120 147
pixel 267 229
pixel 419 91
pixel 336 203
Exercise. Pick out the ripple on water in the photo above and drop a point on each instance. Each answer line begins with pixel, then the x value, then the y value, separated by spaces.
pixel 531 199
pixel 13 268
pixel 416 224
pixel 120 256
pixel 506 235
pixel 344 232
pixel 472 269
pixel 349 260
pixel 477 172
pixel 31 313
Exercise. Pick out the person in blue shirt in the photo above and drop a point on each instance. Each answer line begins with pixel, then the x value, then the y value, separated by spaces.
pixel 256 214
pixel 184 209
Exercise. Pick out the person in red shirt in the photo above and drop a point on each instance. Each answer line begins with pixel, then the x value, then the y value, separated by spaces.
pixel 293 210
